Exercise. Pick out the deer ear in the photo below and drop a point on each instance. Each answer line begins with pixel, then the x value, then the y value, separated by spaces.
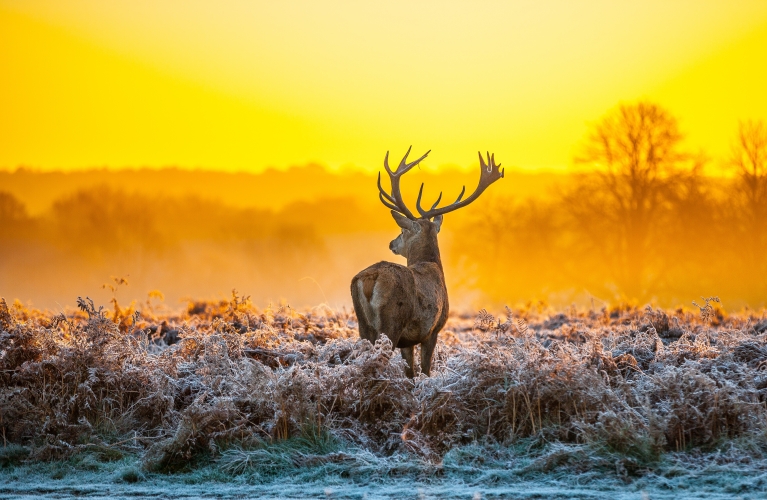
pixel 438 222
pixel 402 221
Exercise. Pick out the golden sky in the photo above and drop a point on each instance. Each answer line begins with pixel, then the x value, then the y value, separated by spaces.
pixel 244 85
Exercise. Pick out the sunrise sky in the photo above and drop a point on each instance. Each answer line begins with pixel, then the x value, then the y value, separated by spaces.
pixel 245 85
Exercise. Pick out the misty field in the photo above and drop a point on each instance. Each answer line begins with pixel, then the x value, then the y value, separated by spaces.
pixel 228 399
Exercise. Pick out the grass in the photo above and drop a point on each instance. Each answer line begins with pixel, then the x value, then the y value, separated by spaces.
pixel 256 395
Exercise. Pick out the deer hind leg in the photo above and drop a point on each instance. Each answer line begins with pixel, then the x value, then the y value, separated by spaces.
pixel 407 353
pixel 427 350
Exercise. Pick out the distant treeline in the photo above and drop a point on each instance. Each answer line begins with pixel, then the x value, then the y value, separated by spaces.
pixel 183 246
pixel 645 223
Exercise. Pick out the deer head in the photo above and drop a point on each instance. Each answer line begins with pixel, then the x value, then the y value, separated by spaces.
pixel 420 233
pixel 415 234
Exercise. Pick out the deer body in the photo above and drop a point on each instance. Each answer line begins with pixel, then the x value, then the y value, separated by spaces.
pixel 409 303
pixel 406 303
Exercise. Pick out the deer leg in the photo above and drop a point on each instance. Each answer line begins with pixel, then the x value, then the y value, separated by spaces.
pixel 427 349
pixel 367 332
pixel 407 353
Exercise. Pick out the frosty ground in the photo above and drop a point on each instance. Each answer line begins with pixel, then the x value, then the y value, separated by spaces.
pixel 678 476
pixel 228 400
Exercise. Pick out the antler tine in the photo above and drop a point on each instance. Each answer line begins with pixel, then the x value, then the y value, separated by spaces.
pixel 424 213
pixel 394 200
pixel 381 191
pixel 404 166
pixel 403 161
pixel 386 165
pixel 387 204
pixel 437 202
pixel 489 173
pixel 463 190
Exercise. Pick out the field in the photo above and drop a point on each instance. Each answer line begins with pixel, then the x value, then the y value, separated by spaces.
pixel 227 399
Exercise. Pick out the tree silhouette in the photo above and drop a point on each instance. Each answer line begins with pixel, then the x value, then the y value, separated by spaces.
pixel 636 154
pixel 748 158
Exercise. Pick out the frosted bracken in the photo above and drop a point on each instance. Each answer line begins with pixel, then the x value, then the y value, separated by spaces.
pixel 603 401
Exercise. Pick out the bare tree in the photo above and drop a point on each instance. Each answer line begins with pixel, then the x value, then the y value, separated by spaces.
pixel 636 154
pixel 748 158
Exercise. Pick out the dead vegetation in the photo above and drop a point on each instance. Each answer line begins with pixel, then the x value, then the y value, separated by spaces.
pixel 278 388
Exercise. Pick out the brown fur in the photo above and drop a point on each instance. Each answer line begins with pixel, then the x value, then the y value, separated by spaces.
pixel 409 303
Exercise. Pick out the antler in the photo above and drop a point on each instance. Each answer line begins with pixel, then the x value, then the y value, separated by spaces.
pixel 394 200
pixel 490 173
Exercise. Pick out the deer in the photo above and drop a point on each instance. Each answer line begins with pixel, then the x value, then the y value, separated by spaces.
pixel 409 303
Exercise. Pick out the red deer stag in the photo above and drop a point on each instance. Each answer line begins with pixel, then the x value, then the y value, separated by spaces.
pixel 409 304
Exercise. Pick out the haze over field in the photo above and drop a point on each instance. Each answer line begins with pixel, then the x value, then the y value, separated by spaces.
pixel 277 236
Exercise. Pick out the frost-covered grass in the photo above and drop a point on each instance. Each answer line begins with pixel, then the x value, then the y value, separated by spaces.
pixel 591 404
pixel 553 471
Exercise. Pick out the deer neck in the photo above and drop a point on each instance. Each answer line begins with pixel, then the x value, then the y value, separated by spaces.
pixel 426 251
